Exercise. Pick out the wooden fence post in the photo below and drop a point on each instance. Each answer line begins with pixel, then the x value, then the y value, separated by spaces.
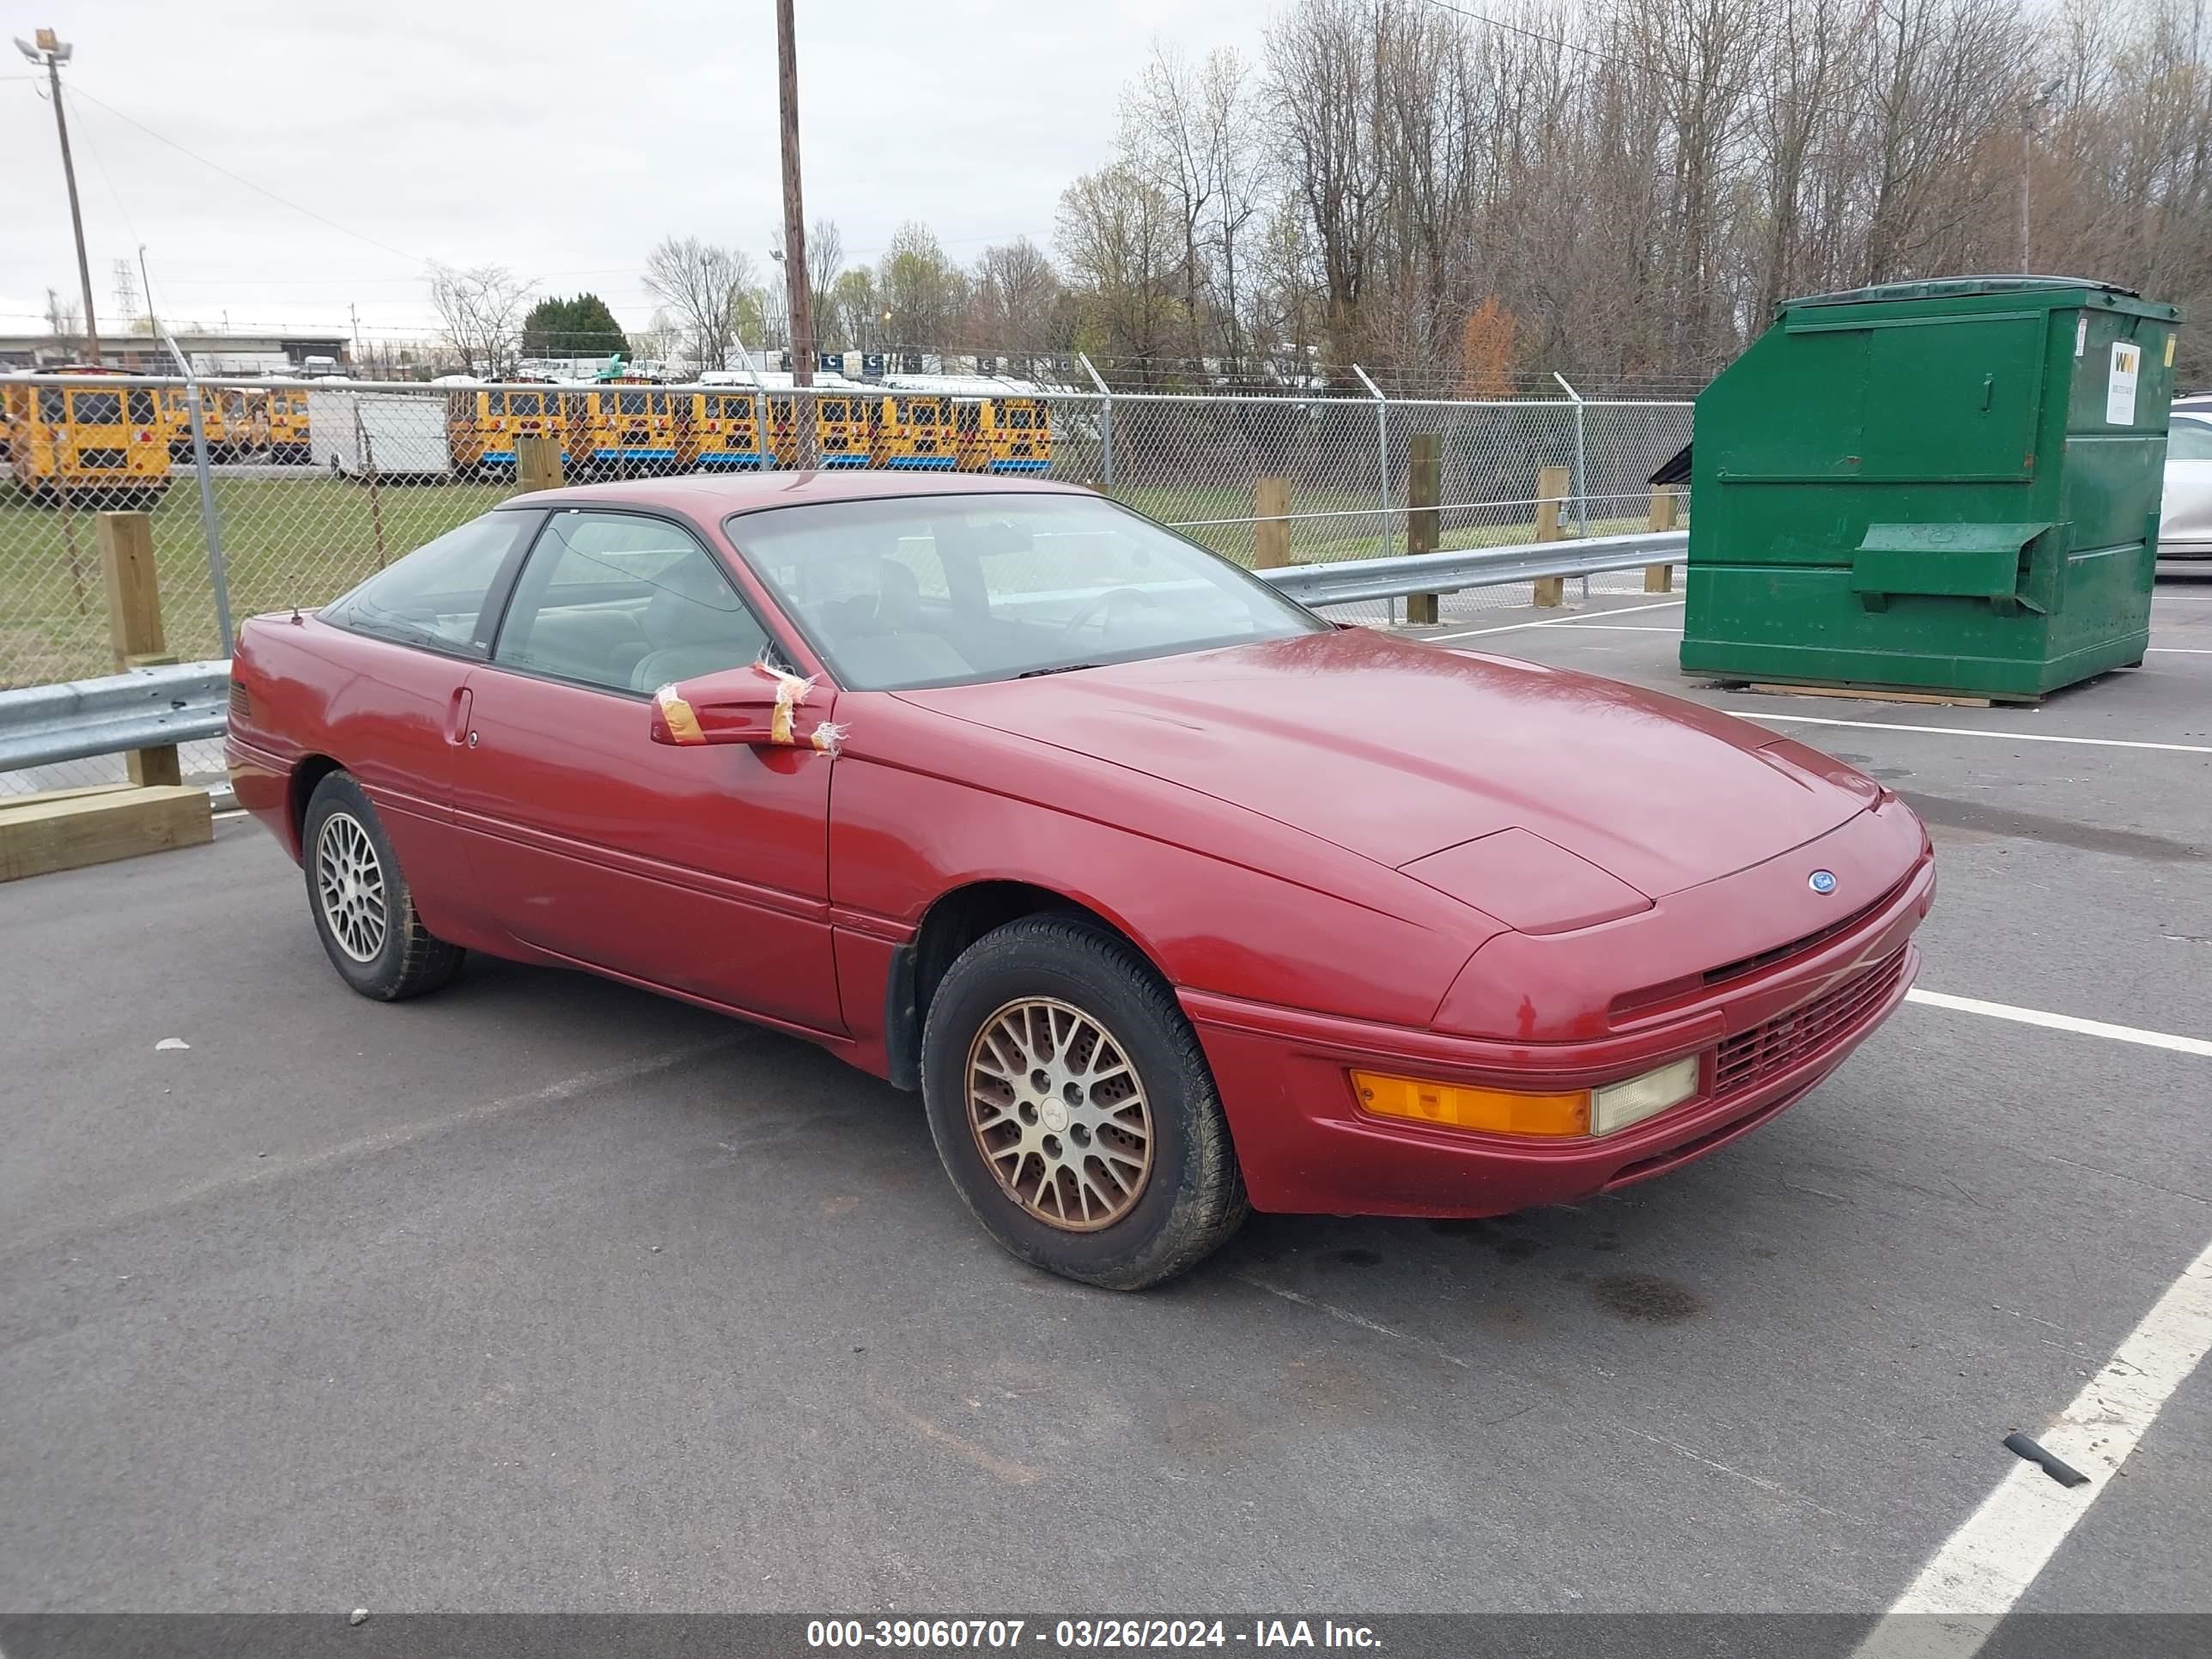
pixel 1424 466
pixel 1660 578
pixel 1271 531
pixel 134 620
pixel 1552 483
pixel 537 461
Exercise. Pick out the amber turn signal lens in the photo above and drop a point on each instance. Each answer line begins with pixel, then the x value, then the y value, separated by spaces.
pixel 1456 1106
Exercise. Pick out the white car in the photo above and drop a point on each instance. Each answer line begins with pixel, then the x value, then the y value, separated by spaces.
pixel 2185 524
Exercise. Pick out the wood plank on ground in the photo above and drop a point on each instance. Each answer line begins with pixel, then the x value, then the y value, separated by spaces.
pixel 68 828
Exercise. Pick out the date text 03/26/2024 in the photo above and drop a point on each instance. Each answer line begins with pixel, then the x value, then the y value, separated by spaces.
pixel 984 1633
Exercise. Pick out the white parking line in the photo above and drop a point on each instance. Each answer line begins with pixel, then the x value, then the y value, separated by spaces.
pixel 1548 622
pixel 1985 1567
pixel 2097 1028
pixel 1970 731
pixel 1617 628
pixel 2183 650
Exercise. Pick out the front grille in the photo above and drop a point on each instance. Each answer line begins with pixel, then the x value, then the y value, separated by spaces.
pixel 1750 1058
pixel 1729 970
pixel 241 705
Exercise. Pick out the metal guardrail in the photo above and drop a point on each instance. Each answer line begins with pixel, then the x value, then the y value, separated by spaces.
pixel 42 725
pixel 1348 579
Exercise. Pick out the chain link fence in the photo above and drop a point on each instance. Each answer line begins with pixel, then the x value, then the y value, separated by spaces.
pixel 307 488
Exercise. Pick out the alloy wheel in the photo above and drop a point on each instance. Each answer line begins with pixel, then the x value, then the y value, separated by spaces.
pixel 350 884
pixel 1059 1114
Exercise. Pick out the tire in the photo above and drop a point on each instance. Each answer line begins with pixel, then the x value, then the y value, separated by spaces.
pixel 386 956
pixel 1021 994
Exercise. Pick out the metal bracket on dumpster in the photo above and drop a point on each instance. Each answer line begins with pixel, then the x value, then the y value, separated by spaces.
pixel 1963 560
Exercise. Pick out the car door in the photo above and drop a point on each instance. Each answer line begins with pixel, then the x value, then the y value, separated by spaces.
pixel 700 870
pixel 2186 513
pixel 394 693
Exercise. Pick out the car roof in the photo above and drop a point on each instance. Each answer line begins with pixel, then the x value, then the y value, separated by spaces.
pixel 714 496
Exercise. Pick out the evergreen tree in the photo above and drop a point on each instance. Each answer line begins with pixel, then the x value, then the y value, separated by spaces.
pixel 581 327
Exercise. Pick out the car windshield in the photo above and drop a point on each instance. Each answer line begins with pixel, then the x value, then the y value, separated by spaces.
pixel 953 590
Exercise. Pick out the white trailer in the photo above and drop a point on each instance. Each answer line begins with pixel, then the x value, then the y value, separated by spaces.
pixel 392 434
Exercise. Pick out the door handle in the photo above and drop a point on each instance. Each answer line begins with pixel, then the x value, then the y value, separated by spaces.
pixel 457 717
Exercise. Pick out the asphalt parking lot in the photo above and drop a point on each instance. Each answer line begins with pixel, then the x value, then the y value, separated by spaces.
pixel 542 1293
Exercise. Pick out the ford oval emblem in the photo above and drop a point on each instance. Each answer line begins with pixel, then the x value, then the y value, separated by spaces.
pixel 1822 881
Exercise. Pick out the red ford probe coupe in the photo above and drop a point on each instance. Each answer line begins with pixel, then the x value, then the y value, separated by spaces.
pixel 1171 897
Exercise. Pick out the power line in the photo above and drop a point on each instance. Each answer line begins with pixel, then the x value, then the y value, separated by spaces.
pixel 78 91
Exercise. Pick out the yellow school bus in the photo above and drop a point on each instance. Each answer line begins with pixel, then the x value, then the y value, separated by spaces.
pixel 914 433
pixel 718 431
pixel 971 441
pixel 284 409
pixel 625 426
pixel 231 420
pixel 843 430
pixel 87 445
pixel 483 424
pixel 1018 434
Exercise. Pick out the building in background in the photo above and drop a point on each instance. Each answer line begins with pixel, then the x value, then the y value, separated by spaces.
pixel 211 353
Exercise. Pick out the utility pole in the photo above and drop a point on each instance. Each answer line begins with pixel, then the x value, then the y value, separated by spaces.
pixel 353 313
pixel 794 235
pixel 53 52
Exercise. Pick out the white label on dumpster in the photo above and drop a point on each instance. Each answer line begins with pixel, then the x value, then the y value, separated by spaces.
pixel 2081 334
pixel 2120 390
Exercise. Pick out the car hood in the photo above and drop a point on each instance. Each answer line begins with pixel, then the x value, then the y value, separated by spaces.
pixel 1397 749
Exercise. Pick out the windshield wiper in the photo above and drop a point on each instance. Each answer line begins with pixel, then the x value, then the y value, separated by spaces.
pixel 1064 668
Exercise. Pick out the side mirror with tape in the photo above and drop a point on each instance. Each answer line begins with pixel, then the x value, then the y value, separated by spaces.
pixel 762 706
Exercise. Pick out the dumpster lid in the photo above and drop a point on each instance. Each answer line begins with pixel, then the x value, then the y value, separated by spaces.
pixel 1949 288
pixel 1675 469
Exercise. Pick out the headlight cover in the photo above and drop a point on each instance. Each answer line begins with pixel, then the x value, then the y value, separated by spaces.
pixel 1617 1105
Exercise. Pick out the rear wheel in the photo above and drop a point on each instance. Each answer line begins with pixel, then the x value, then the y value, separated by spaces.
pixel 363 909
pixel 1074 1109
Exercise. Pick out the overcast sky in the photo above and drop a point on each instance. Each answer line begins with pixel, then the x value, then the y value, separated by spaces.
pixel 559 137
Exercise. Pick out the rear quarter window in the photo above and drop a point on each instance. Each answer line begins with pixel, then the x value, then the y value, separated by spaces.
pixel 435 596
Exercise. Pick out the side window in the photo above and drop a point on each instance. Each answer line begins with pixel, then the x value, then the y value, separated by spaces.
pixel 53 404
pixel 2189 440
pixel 435 595
pixel 624 602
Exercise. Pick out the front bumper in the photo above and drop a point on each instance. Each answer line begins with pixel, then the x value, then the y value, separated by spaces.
pixel 1766 1039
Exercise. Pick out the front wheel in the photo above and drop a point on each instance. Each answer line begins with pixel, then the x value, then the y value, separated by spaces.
pixel 1074 1109
pixel 364 909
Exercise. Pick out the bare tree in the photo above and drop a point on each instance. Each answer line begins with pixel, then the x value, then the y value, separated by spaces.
pixel 1321 64
pixel 1636 185
pixel 702 284
pixel 63 320
pixel 925 293
pixel 825 260
pixel 1016 299
pixel 1122 241
pixel 480 314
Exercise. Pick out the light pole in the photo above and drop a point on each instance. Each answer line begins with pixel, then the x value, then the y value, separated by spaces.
pixel 51 53
pixel 2028 109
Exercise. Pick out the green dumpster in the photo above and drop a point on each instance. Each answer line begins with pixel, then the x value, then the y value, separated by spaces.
pixel 1948 486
